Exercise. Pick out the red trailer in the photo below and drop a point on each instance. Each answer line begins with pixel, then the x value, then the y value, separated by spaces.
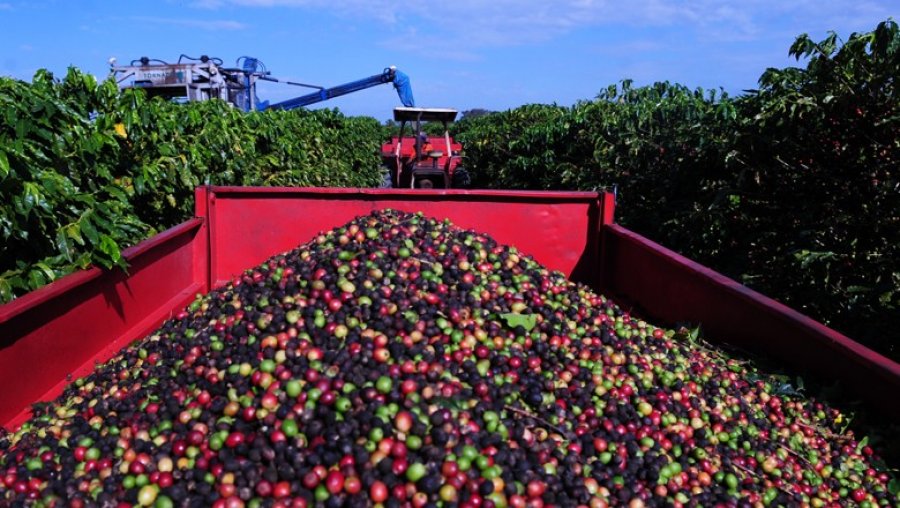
pixel 58 333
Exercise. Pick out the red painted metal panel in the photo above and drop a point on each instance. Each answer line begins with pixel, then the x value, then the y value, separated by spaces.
pixel 248 225
pixel 408 148
pixel 63 328
pixel 661 284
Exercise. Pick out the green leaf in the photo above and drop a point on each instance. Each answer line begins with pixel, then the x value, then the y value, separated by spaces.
pixel 100 221
pixel 6 290
pixel 36 279
pixel 139 184
pixel 89 230
pixel 73 231
pixel 4 165
pixel 862 444
pixel 109 247
pixel 526 321
pixel 117 192
pixel 63 245
pixel 694 334
pixel 46 270
pixel 32 196
pixel 894 487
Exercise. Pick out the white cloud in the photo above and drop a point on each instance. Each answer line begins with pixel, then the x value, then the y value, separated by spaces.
pixel 203 24
pixel 207 4
pixel 631 47
pixel 460 29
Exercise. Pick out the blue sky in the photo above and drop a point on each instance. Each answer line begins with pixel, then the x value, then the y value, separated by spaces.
pixel 462 54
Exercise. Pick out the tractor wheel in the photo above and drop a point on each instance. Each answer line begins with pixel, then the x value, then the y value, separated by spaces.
pixel 461 179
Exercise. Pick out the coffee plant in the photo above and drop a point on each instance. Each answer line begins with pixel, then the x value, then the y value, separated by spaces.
pixel 86 171
pixel 792 188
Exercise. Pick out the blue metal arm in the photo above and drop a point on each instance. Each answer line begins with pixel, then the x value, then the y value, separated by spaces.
pixel 399 79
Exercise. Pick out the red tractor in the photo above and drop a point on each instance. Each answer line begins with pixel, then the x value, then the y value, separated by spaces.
pixel 421 161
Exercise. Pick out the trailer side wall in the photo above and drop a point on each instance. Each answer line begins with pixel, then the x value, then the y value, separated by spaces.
pixel 248 225
pixel 55 334
pixel 657 282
